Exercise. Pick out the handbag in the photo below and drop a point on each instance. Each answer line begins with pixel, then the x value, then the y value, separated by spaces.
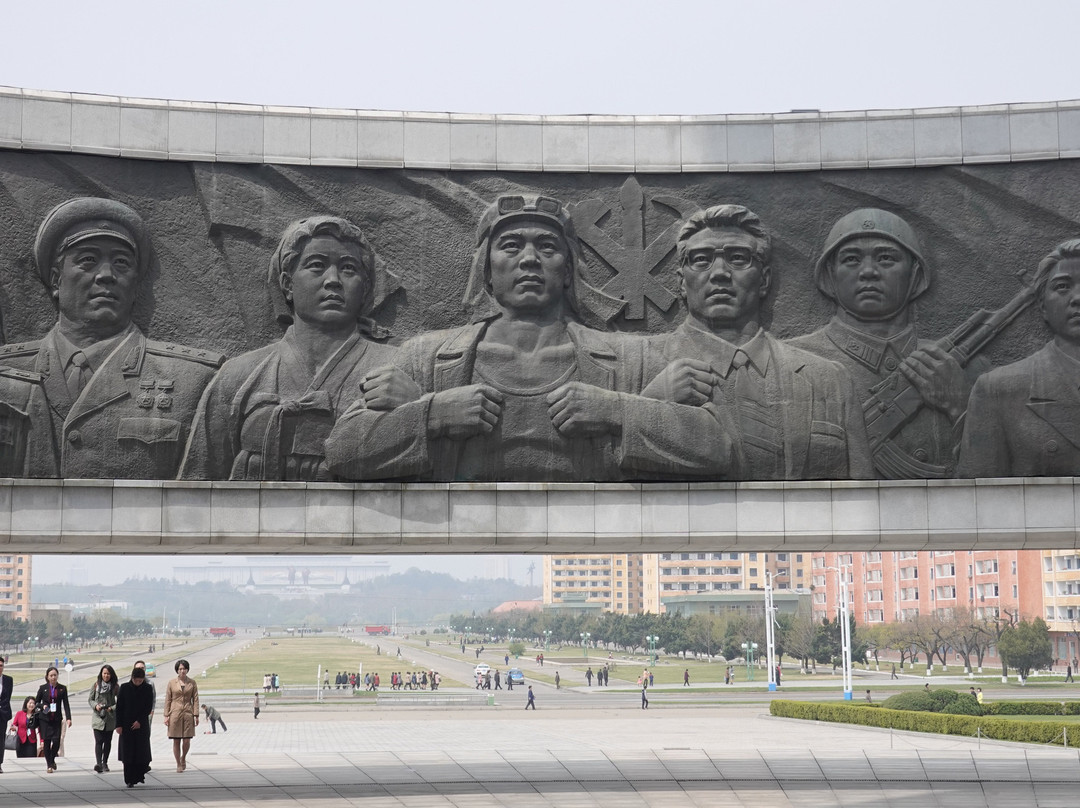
pixel 11 741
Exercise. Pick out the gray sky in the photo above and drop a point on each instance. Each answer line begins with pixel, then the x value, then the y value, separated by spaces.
pixel 561 56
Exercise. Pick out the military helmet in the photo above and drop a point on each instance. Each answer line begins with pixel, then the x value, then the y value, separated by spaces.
pixel 872 222
pixel 83 218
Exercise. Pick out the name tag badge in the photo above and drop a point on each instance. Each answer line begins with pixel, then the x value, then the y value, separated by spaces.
pixel 52 707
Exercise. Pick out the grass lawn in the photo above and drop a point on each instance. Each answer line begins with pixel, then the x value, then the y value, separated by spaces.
pixel 89 660
pixel 297 659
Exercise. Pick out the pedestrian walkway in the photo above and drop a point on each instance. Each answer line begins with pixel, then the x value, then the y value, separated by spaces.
pixel 734 755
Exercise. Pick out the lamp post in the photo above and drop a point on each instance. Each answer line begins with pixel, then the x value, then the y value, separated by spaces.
pixel 845 630
pixel 770 632
pixel 585 644
pixel 67 640
pixel 652 640
pixel 547 639
pixel 32 642
pixel 748 651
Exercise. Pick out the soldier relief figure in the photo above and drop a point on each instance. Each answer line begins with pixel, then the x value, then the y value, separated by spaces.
pixel 120 404
pixel 267 414
pixel 527 391
pixel 873 267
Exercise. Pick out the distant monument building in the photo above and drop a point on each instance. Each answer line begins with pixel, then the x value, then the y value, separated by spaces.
pixel 286 576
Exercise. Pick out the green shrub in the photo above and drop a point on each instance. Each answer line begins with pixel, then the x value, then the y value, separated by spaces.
pixel 916 700
pixel 1024 708
pixel 1044 732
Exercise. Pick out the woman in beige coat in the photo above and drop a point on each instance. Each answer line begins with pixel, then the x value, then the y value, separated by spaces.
pixel 181 712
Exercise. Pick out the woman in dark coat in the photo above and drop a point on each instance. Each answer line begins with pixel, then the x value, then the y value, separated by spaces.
pixel 133 708
pixel 52 702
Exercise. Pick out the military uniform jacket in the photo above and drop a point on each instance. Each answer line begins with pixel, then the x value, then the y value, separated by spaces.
pixel 658 439
pixel 926 446
pixel 262 418
pixel 27 448
pixel 824 436
pixel 131 420
pixel 1024 419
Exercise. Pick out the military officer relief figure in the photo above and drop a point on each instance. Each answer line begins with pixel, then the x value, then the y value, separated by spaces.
pixel 796 415
pixel 121 405
pixel 527 391
pixel 1024 419
pixel 267 414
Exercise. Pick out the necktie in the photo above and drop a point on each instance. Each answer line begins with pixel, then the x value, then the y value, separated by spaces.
pixel 745 388
pixel 78 373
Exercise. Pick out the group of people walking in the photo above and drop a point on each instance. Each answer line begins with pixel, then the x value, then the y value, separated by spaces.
pixel 126 709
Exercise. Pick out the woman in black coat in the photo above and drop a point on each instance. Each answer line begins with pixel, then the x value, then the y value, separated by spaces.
pixel 133 708
pixel 52 705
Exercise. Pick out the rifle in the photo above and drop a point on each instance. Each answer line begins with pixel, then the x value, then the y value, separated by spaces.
pixel 894 401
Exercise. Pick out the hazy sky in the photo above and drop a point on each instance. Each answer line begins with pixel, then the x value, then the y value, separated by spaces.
pixel 625 57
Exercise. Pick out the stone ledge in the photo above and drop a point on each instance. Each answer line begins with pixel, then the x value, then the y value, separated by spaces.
pixel 111 516
pixel 795 141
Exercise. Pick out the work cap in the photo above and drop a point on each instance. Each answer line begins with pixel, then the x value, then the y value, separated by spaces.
pixel 518 207
pixel 84 218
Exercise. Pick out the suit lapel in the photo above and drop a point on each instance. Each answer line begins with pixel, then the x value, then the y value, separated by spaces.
pixel 116 379
pixel 1053 399
pixel 56 389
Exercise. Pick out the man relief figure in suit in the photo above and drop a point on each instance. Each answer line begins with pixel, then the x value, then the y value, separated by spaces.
pixel 796 414
pixel 1024 419
pixel 527 391
pixel 267 414
pixel 873 267
pixel 121 404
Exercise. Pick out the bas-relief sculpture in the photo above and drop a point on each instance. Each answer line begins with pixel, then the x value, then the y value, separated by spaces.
pixel 537 386
pixel 528 391
pixel 119 405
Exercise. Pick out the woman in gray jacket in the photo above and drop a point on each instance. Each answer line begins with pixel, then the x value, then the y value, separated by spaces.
pixel 102 700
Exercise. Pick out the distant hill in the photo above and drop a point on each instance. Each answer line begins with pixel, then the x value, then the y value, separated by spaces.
pixel 419 598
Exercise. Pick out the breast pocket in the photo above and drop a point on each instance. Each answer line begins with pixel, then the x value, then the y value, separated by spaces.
pixel 149 431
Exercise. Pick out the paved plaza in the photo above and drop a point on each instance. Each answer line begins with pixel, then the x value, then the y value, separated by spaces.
pixel 568 753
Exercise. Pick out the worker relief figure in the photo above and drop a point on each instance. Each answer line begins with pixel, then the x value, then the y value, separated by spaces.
pixel 120 405
pixel 527 390
pixel 795 413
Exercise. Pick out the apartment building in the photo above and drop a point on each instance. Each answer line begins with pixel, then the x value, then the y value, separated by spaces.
pixel 613 580
pixel 889 586
pixel 15 586
pixel 630 584
pixel 1061 600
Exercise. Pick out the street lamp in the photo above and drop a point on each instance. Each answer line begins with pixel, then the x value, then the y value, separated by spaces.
pixel 845 631
pixel 32 642
pixel 67 639
pixel 748 651
pixel 547 639
pixel 585 644
pixel 652 640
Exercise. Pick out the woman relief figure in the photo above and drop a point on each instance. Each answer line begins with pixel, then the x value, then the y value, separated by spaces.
pixel 267 414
